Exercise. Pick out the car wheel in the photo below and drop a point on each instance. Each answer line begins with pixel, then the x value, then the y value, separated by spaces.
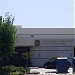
pixel 46 66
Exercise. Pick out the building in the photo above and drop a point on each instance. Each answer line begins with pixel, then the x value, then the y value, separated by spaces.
pixel 45 43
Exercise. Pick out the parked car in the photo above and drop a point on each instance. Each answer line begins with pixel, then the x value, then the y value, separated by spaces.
pixel 52 63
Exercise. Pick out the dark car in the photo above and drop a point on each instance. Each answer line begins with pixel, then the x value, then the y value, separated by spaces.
pixel 52 64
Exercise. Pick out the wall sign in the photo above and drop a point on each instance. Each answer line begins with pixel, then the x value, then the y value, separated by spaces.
pixel 37 42
pixel 56 42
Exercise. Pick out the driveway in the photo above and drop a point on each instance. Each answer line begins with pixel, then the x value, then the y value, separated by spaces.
pixel 43 70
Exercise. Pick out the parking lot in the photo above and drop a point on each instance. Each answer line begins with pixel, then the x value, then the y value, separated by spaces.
pixel 44 71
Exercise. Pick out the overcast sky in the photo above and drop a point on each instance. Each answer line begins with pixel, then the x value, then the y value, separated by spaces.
pixel 40 13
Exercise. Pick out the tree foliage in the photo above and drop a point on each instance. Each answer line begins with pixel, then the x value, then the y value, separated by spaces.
pixel 7 36
pixel 27 55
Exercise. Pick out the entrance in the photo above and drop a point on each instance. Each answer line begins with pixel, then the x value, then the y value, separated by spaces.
pixel 18 59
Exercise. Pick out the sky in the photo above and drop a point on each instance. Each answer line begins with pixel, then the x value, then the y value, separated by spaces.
pixel 40 13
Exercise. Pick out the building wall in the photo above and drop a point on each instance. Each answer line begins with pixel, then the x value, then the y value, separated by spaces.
pixel 46 40
pixel 45 31
pixel 22 41
pixel 43 54
pixel 51 42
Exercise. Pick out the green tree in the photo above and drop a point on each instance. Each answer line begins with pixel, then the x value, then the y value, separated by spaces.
pixel 7 36
pixel 27 56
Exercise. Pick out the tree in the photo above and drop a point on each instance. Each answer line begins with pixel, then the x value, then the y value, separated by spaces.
pixel 7 36
pixel 27 56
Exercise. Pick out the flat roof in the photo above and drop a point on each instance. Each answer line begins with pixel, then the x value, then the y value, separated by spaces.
pixel 46 31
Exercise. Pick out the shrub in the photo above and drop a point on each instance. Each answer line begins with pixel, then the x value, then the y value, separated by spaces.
pixel 17 73
pixel 12 70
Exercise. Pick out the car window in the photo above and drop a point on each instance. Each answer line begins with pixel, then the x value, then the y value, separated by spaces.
pixel 68 60
pixel 52 60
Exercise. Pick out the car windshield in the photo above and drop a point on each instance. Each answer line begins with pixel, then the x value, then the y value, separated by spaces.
pixel 69 60
pixel 52 59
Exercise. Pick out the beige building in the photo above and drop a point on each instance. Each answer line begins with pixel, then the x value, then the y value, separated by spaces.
pixel 45 43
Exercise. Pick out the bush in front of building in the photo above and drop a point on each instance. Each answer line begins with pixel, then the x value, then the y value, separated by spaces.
pixel 13 70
